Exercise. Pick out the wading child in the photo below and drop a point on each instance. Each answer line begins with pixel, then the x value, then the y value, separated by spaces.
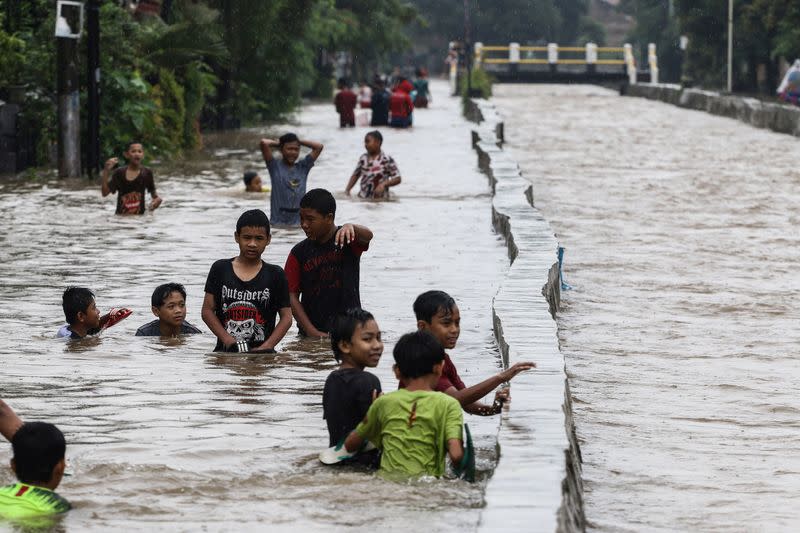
pixel 244 294
pixel 380 104
pixel 323 270
pixel 130 182
pixel 345 102
pixel 401 105
pixel 82 316
pixel 169 305
pixel 437 312
pixel 349 390
pixel 38 463
pixel 288 176
pixel 375 170
pixel 252 182
pixel 414 427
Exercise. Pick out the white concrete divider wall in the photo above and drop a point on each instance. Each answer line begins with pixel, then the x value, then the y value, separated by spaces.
pixel 537 483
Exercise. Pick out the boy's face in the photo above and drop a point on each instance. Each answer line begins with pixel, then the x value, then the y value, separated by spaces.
pixel 365 346
pixel 315 225
pixel 91 317
pixel 135 153
pixel 290 151
pixel 255 185
pixel 445 326
pixel 372 144
pixel 252 241
pixel 173 310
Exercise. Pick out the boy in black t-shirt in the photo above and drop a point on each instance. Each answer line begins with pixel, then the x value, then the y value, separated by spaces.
pixel 130 182
pixel 323 269
pixel 349 390
pixel 244 294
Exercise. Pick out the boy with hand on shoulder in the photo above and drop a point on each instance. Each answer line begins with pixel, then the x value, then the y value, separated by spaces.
pixel 438 313
pixel 130 182
pixel 39 461
pixel 169 305
pixel 245 294
pixel 415 427
pixel 349 390
pixel 375 170
pixel 323 270
pixel 288 176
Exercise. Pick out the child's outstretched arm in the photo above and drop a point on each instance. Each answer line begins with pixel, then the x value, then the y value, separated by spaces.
pixel 104 188
pixel 316 148
pixel 354 441
pixel 468 397
pixel 455 450
pixel 210 318
pixel 266 146
pixel 9 421
pixel 351 183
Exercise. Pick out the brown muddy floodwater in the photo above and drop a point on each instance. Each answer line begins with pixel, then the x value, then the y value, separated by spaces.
pixel 681 334
pixel 169 436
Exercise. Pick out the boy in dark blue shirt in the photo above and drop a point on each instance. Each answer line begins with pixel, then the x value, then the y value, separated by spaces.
pixel 169 305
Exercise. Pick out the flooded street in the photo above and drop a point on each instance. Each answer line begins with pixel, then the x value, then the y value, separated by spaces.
pixel 681 332
pixel 167 435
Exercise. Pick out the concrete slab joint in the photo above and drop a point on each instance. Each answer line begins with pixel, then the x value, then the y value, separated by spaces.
pixel 537 484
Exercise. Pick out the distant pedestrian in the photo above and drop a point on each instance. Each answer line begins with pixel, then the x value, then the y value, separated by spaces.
pixel 365 96
pixel 375 170
pixel 345 102
pixel 380 104
pixel 130 182
pixel 288 176
pixel 400 105
pixel 421 86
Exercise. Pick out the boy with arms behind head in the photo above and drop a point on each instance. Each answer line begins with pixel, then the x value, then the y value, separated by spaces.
pixel 438 313
pixel 414 427
pixel 38 463
pixel 349 390
pixel 288 176
pixel 244 294
pixel 323 270
pixel 375 170
pixel 130 182
pixel 169 305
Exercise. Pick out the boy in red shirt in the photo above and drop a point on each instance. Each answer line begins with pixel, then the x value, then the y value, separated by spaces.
pixel 345 102
pixel 400 105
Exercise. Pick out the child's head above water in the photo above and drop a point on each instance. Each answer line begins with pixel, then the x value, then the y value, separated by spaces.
pixel 373 142
pixel 289 145
pixel 252 181
pixel 134 152
pixel 80 308
pixel 39 450
pixel 418 354
pixel 356 339
pixel 169 304
pixel 437 312
pixel 252 233
pixel 317 213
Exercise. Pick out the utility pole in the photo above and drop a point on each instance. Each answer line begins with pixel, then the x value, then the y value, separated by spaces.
pixel 69 115
pixel 730 46
pixel 468 48
pixel 93 87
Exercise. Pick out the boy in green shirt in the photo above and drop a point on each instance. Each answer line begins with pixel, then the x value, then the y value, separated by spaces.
pixel 414 427
pixel 38 463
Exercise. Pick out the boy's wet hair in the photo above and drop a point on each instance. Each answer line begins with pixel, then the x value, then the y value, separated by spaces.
pixel 320 200
pixel 38 447
pixel 131 143
pixel 255 218
pixel 76 300
pixel 344 325
pixel 417 353
pixel 375 134
pixel 429 303
pixel 343 82
pixel 249 176
pixel 162 292
pixel 288 138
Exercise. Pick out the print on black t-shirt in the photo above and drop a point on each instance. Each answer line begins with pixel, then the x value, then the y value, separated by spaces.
pixel 247 309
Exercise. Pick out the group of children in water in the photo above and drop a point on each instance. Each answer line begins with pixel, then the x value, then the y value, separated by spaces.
pixel 391 101
pixel 249 305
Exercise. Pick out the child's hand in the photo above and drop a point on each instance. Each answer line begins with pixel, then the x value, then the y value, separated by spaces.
pixel 111 163
pixel 516 369
pixel 379 190
pixel 267 144
pixel 345 235
pixel 155 203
